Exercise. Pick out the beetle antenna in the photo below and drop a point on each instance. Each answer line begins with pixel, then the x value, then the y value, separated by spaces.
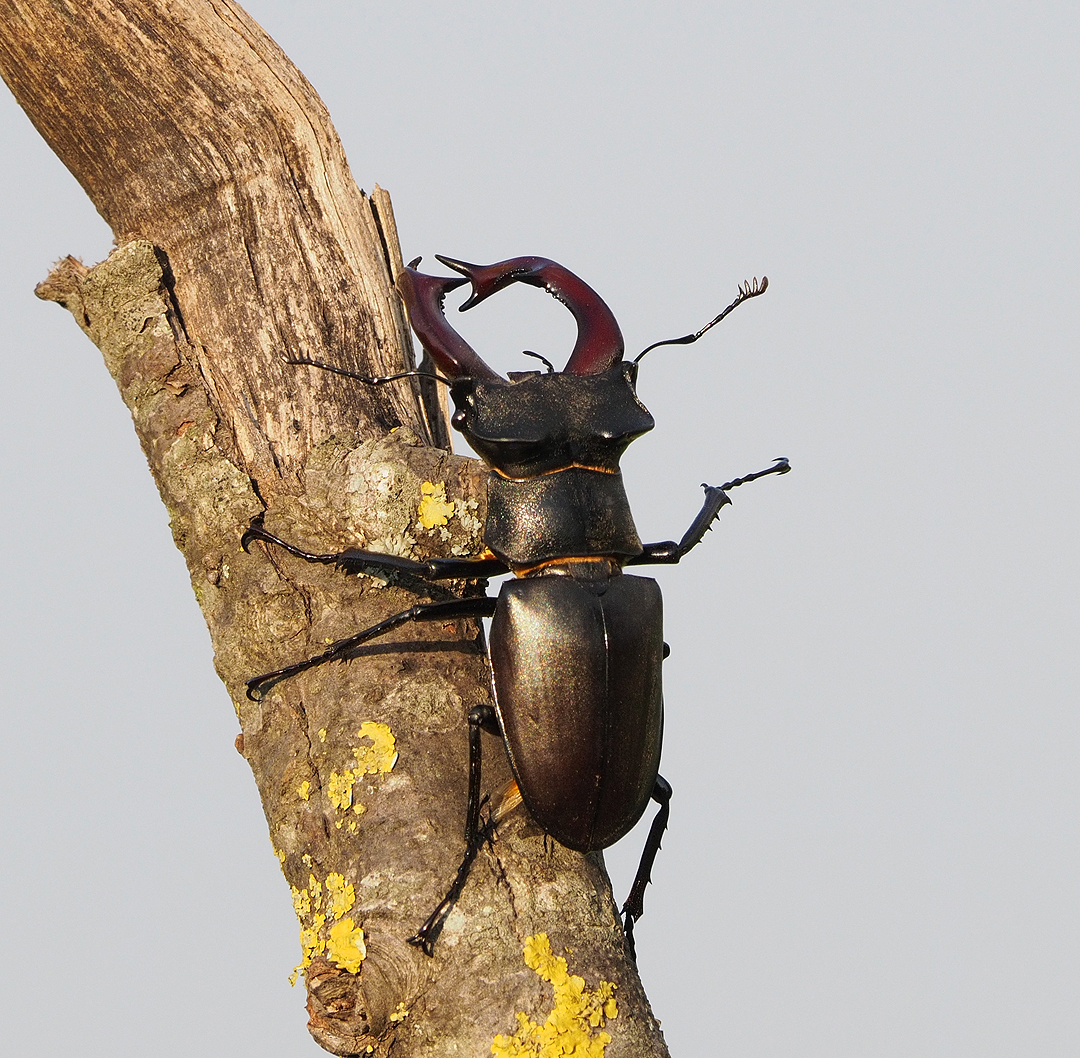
pixel 371 380
pixel 747 290
pixel 544 359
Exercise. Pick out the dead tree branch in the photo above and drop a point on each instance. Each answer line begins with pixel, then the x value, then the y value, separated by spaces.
pixel 241 236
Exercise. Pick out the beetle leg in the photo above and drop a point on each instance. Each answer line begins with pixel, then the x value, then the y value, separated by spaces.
pixel 475 835
pixel 479 718
pixel 482 606
pixel 475 567
pixel 634 906
pixel 668 552
pixel 350 561
pixel 257 531
pixel 353 560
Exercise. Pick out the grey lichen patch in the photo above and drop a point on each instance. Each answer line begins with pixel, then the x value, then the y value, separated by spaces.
pixel 124 306
pixel 280 618
pixel 431 700
pixel 391 478
pixel 112 288
pixel 205 486
pixel 369 496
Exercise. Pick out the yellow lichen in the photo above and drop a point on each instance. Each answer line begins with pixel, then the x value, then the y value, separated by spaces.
pixel 345 942
pixel 301 901
pixel 340 789
pixel 434 510
pixel 310 940
pixel 333 898
pixel 576 1012
pixel 380 756
pixel 311 944
pixel 400 1014
pixel 340 895
pixel 346 948
pixel 280 854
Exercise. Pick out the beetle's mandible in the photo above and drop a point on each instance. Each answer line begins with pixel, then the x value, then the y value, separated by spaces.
pixel 576 645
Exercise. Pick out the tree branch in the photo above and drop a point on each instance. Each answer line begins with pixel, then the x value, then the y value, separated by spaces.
pixel 242 236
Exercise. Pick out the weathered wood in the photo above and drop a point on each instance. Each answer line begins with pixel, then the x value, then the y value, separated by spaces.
pixel 187 125
pixel 242 236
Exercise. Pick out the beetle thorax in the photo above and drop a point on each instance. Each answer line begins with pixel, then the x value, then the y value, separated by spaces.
pixel 553 443
pixel 542 423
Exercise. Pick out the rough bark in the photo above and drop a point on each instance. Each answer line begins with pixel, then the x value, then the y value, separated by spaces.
pixel 241 236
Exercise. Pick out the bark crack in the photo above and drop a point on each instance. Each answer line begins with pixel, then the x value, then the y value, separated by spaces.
pixel 502 878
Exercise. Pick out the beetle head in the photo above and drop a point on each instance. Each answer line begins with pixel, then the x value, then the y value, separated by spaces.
pixel 540 422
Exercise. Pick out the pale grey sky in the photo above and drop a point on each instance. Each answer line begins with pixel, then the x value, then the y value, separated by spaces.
pixel 872 721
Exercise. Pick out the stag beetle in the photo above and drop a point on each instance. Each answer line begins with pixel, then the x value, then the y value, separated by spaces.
pixel 576 645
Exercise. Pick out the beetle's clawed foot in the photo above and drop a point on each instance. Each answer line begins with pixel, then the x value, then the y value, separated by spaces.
pixel 780 466
pixel 423 940
pixel 257 688
pixel 258 531
pixel 260 686
pixel 426 936
pixel 628 920
pixel 254 532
